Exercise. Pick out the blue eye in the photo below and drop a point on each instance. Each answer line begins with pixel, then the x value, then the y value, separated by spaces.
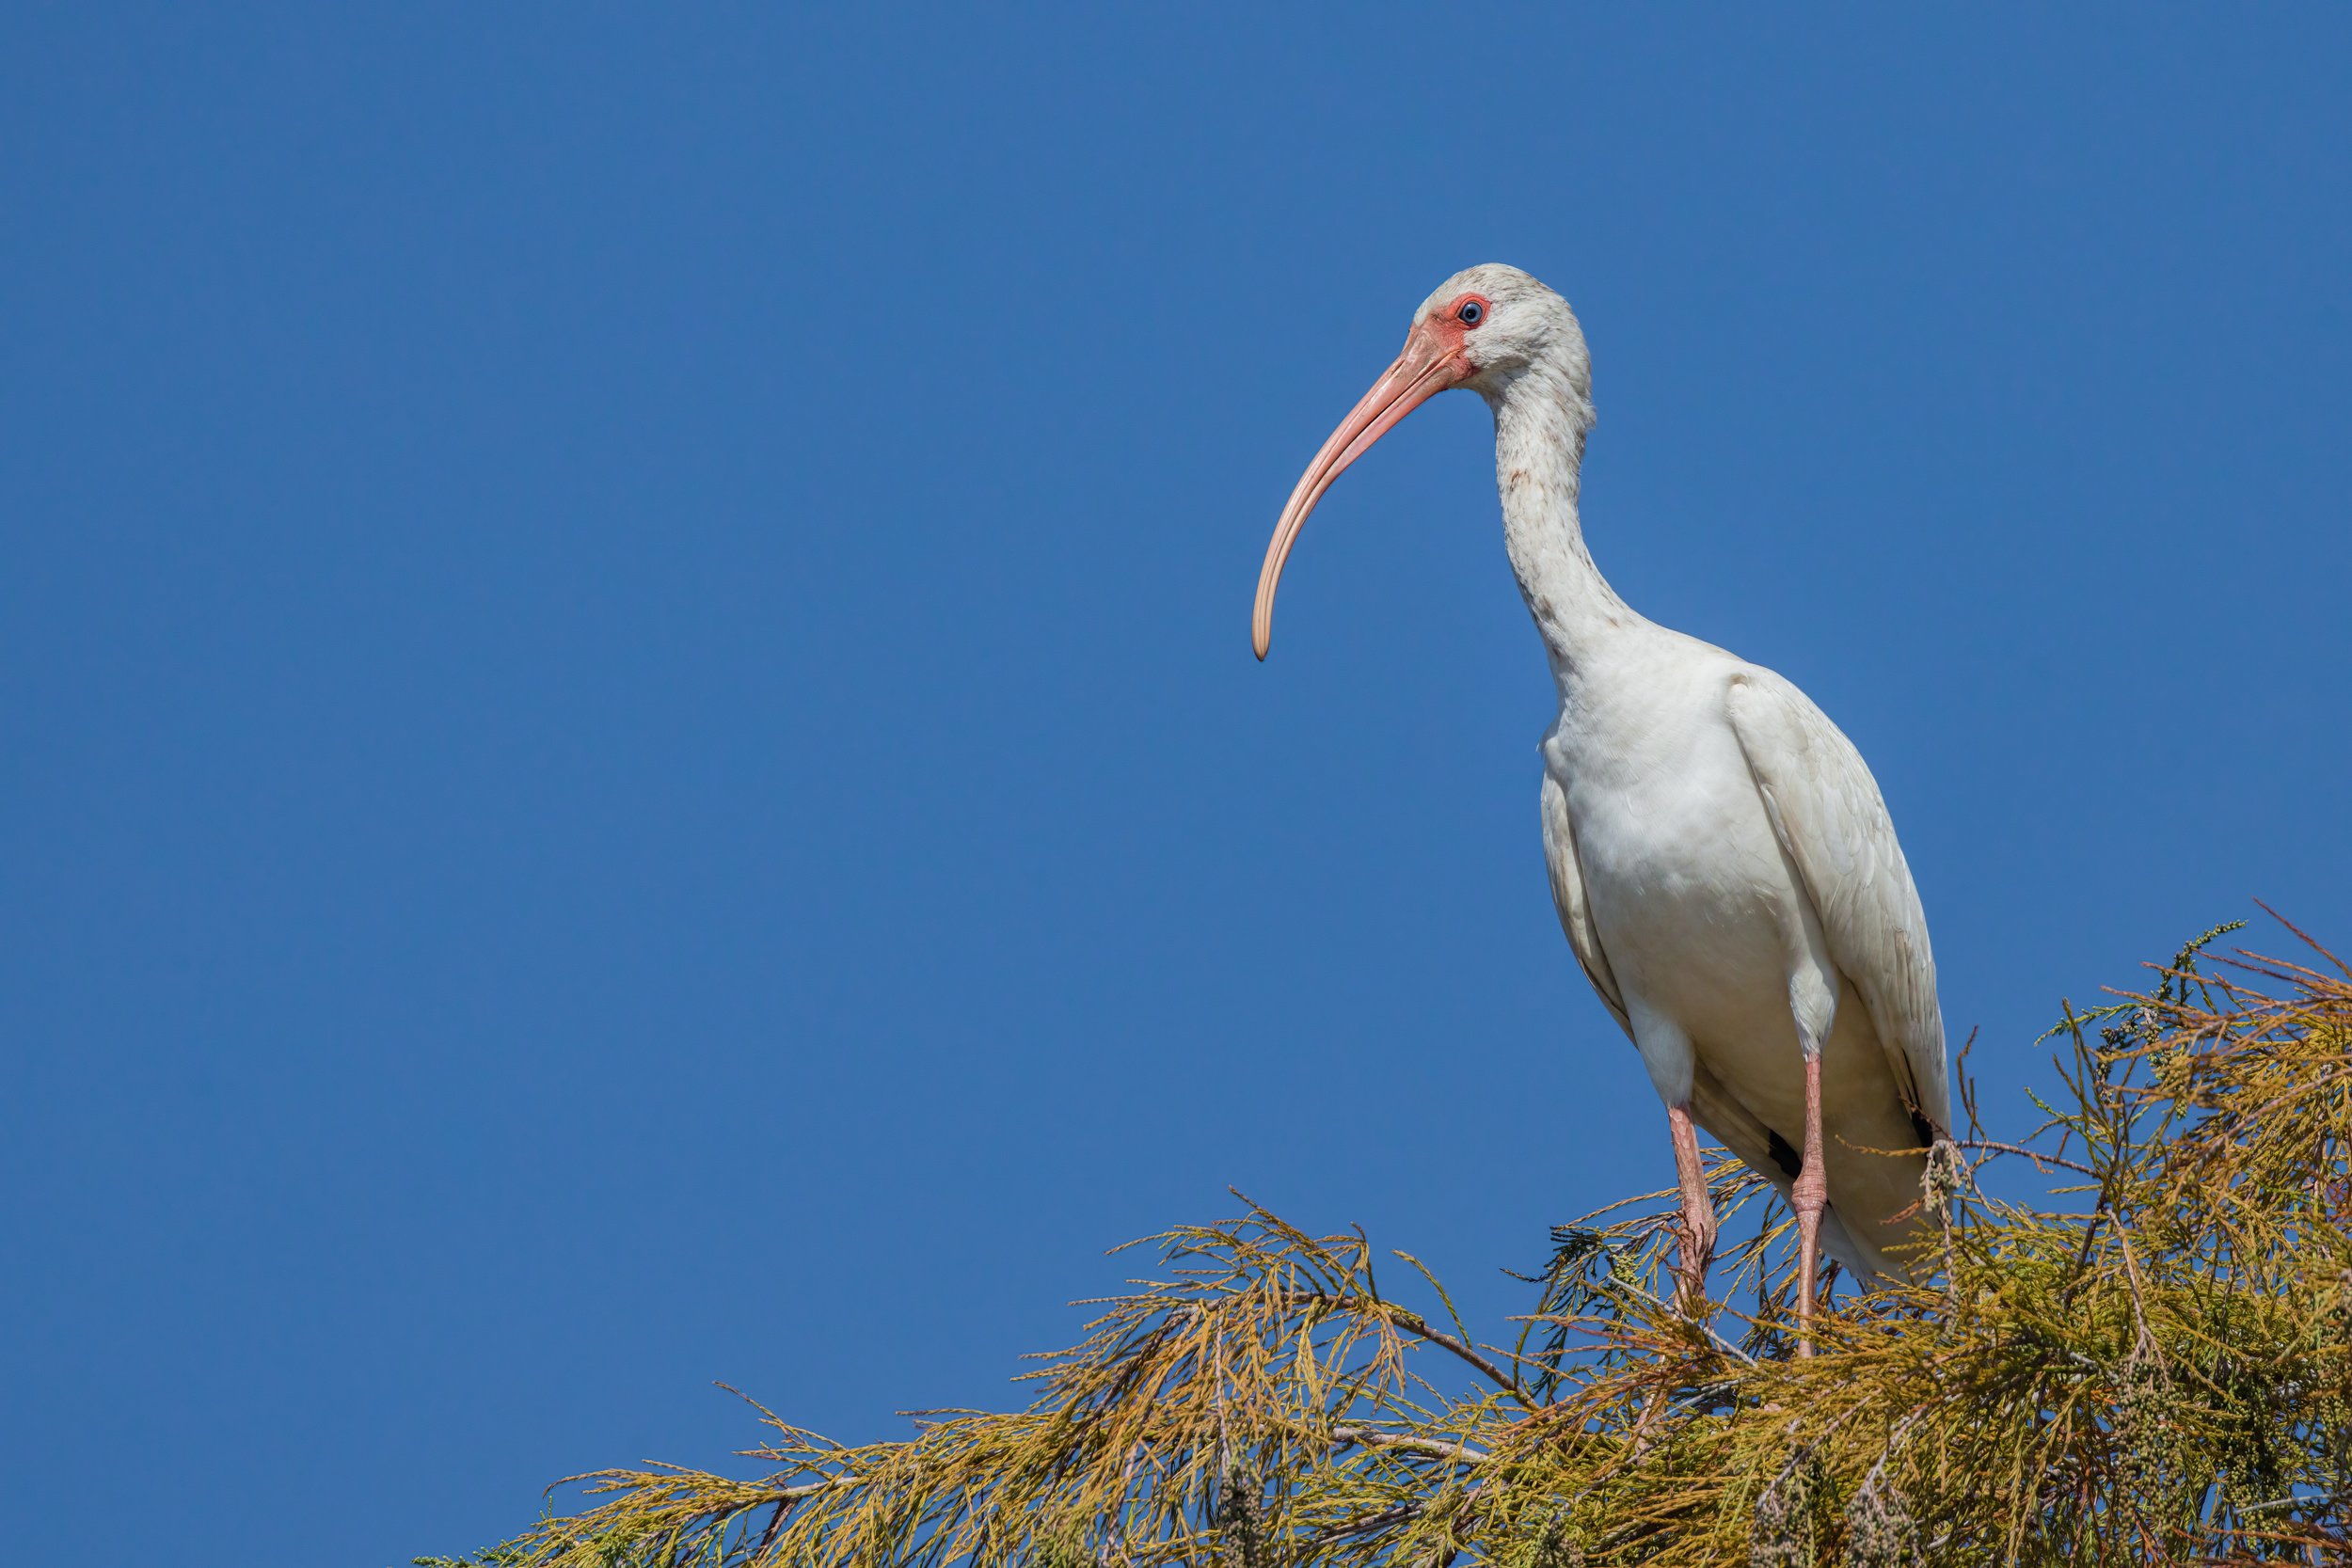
pixel 1472 312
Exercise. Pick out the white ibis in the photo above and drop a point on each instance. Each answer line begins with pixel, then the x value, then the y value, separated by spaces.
pixel 1722 859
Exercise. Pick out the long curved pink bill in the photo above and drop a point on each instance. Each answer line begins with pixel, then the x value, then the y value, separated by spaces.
pixel 1418 375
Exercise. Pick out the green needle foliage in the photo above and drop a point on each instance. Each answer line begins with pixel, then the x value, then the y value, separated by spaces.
pixel 2149 1361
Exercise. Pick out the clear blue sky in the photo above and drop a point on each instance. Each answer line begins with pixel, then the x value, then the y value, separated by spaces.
pixel 630 751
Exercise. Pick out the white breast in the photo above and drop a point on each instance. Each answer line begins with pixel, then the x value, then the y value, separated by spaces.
pixel 1700 914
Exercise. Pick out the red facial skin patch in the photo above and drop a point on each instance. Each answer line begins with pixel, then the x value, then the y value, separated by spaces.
pixel 1453 331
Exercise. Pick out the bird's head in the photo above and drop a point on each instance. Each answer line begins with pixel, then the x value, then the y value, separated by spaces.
pixel 1484 328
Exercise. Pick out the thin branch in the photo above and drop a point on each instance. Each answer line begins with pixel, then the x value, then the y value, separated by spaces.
pixel 786 1495
pixel 1416 1324
pixel 2309 940
pixel 1435 1447
pixel 768 1536
pixel 2036 1155
pixel 1364 1523
pixel 1419 1327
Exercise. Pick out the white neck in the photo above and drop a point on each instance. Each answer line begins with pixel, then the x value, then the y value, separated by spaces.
pixel 1540 422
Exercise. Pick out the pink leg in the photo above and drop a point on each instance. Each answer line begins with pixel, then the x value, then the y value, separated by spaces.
pixel 1697 1239
pixel 1809 1199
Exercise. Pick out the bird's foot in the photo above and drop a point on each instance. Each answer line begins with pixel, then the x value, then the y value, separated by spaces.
pixel 1697 1251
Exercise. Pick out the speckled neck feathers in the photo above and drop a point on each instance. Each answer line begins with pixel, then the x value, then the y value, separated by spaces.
pixel 1542 413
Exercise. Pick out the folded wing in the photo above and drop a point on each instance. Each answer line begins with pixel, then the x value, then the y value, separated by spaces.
pixel 1827 812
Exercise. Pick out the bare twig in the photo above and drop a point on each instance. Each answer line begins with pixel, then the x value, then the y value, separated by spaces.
pixel 1433 1446
pixel 2036 1156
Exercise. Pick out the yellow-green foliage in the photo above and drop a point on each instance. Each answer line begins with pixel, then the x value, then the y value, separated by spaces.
pixel 2149 1363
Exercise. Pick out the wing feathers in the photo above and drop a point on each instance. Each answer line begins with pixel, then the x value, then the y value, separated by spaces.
pixel 1830 818
pixel 1568 895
